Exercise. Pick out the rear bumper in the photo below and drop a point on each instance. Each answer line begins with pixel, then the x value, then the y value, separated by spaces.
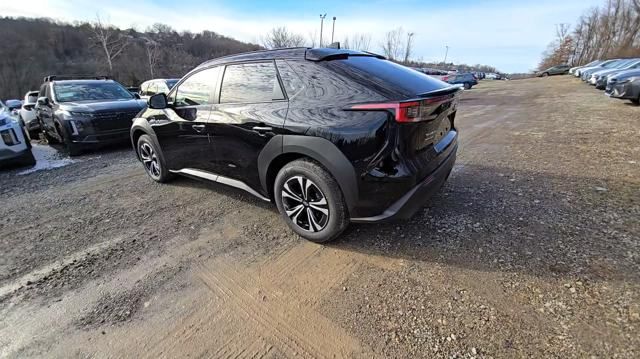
pixel 414 199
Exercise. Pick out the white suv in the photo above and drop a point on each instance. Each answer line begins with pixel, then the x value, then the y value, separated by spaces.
pixel 15 147
pixel 28 114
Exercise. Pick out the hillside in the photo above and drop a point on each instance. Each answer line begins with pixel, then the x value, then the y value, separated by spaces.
pixel 33 48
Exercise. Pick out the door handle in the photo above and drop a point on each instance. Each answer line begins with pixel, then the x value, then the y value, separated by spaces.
pixel 198 128
pixel 262 128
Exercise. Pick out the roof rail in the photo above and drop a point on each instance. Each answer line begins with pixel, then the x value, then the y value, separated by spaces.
pixel 75 77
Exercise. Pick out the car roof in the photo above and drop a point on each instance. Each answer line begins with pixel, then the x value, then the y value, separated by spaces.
pixel 79 82
pixel 152 80
pixel 312 54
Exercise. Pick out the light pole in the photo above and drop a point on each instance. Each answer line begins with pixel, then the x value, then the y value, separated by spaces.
pixel 333 29
pixel 445 54
pixel 321 23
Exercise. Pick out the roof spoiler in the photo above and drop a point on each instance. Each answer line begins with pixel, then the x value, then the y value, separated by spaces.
pixel 75 77
pixel 327 54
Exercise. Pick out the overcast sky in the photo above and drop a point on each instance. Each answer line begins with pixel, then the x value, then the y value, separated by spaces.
pixel 508 34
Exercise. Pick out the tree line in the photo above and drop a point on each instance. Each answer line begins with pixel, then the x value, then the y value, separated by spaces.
pixel 397 45
pixel 33 48
pixel 609 31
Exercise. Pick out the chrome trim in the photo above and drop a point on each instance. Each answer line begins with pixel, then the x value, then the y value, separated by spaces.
pixel 220 179
pixel 446 141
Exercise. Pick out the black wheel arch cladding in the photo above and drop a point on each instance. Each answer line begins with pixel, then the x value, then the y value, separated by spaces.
pixel 318 149
pixel 141 127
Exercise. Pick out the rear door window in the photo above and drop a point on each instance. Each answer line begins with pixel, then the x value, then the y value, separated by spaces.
pixel 250 83
pixel 291 81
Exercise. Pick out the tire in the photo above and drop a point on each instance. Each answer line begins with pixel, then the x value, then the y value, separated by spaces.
pixel 50 139
pixel 26 159
pixel 636 101
pixel 467 86
pixel 152 160
pixel 545 74
pixel 72 149
pixel 34 134
pixel 322 201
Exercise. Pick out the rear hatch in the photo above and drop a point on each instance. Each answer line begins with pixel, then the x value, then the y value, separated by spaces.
pixel 423 108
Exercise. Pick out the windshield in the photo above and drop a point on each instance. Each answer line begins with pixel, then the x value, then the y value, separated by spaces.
pixel 13 103
pixel 593 63
pixel 621 64
pixel 72 92
pixel 631 64
pixel 171 83
pixel 609 64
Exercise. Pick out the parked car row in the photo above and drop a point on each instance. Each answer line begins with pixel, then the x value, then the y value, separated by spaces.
pixel 81 112
pixel 463 80
pixel 620 78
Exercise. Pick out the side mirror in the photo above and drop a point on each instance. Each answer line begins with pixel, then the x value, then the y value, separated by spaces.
pixel 158 101
pixel 43 101
pixel 136 95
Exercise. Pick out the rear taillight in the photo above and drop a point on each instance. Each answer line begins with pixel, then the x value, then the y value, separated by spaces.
pixel 407 111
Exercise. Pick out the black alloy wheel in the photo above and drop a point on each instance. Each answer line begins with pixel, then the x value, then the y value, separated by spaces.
pixel 152 160
pixel 310 201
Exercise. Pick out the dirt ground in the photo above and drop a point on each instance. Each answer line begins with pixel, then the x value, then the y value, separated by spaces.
pixel 532 249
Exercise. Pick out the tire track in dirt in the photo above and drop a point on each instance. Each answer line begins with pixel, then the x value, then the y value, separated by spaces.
pixel 310 271
pixel 299 329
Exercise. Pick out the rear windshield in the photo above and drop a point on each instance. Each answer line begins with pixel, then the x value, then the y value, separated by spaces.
pixel 72 92
pixel 387 73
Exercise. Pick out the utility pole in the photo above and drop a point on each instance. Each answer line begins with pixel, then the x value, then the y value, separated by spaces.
pixel 333 29
pixel 445 54
pixel 321 23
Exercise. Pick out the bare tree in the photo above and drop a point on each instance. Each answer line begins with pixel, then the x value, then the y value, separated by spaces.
pixel 110 40
pixel 393 44
pixel 357 41
pixel 612 30
pixel 408 47
pixel 280 37
pixel 153 51
pixel 313 38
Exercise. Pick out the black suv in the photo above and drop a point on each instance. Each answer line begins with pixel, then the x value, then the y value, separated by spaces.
pixel 81 112
pixel 331 136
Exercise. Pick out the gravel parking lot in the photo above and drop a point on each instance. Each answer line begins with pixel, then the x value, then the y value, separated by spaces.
pixel 532 249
